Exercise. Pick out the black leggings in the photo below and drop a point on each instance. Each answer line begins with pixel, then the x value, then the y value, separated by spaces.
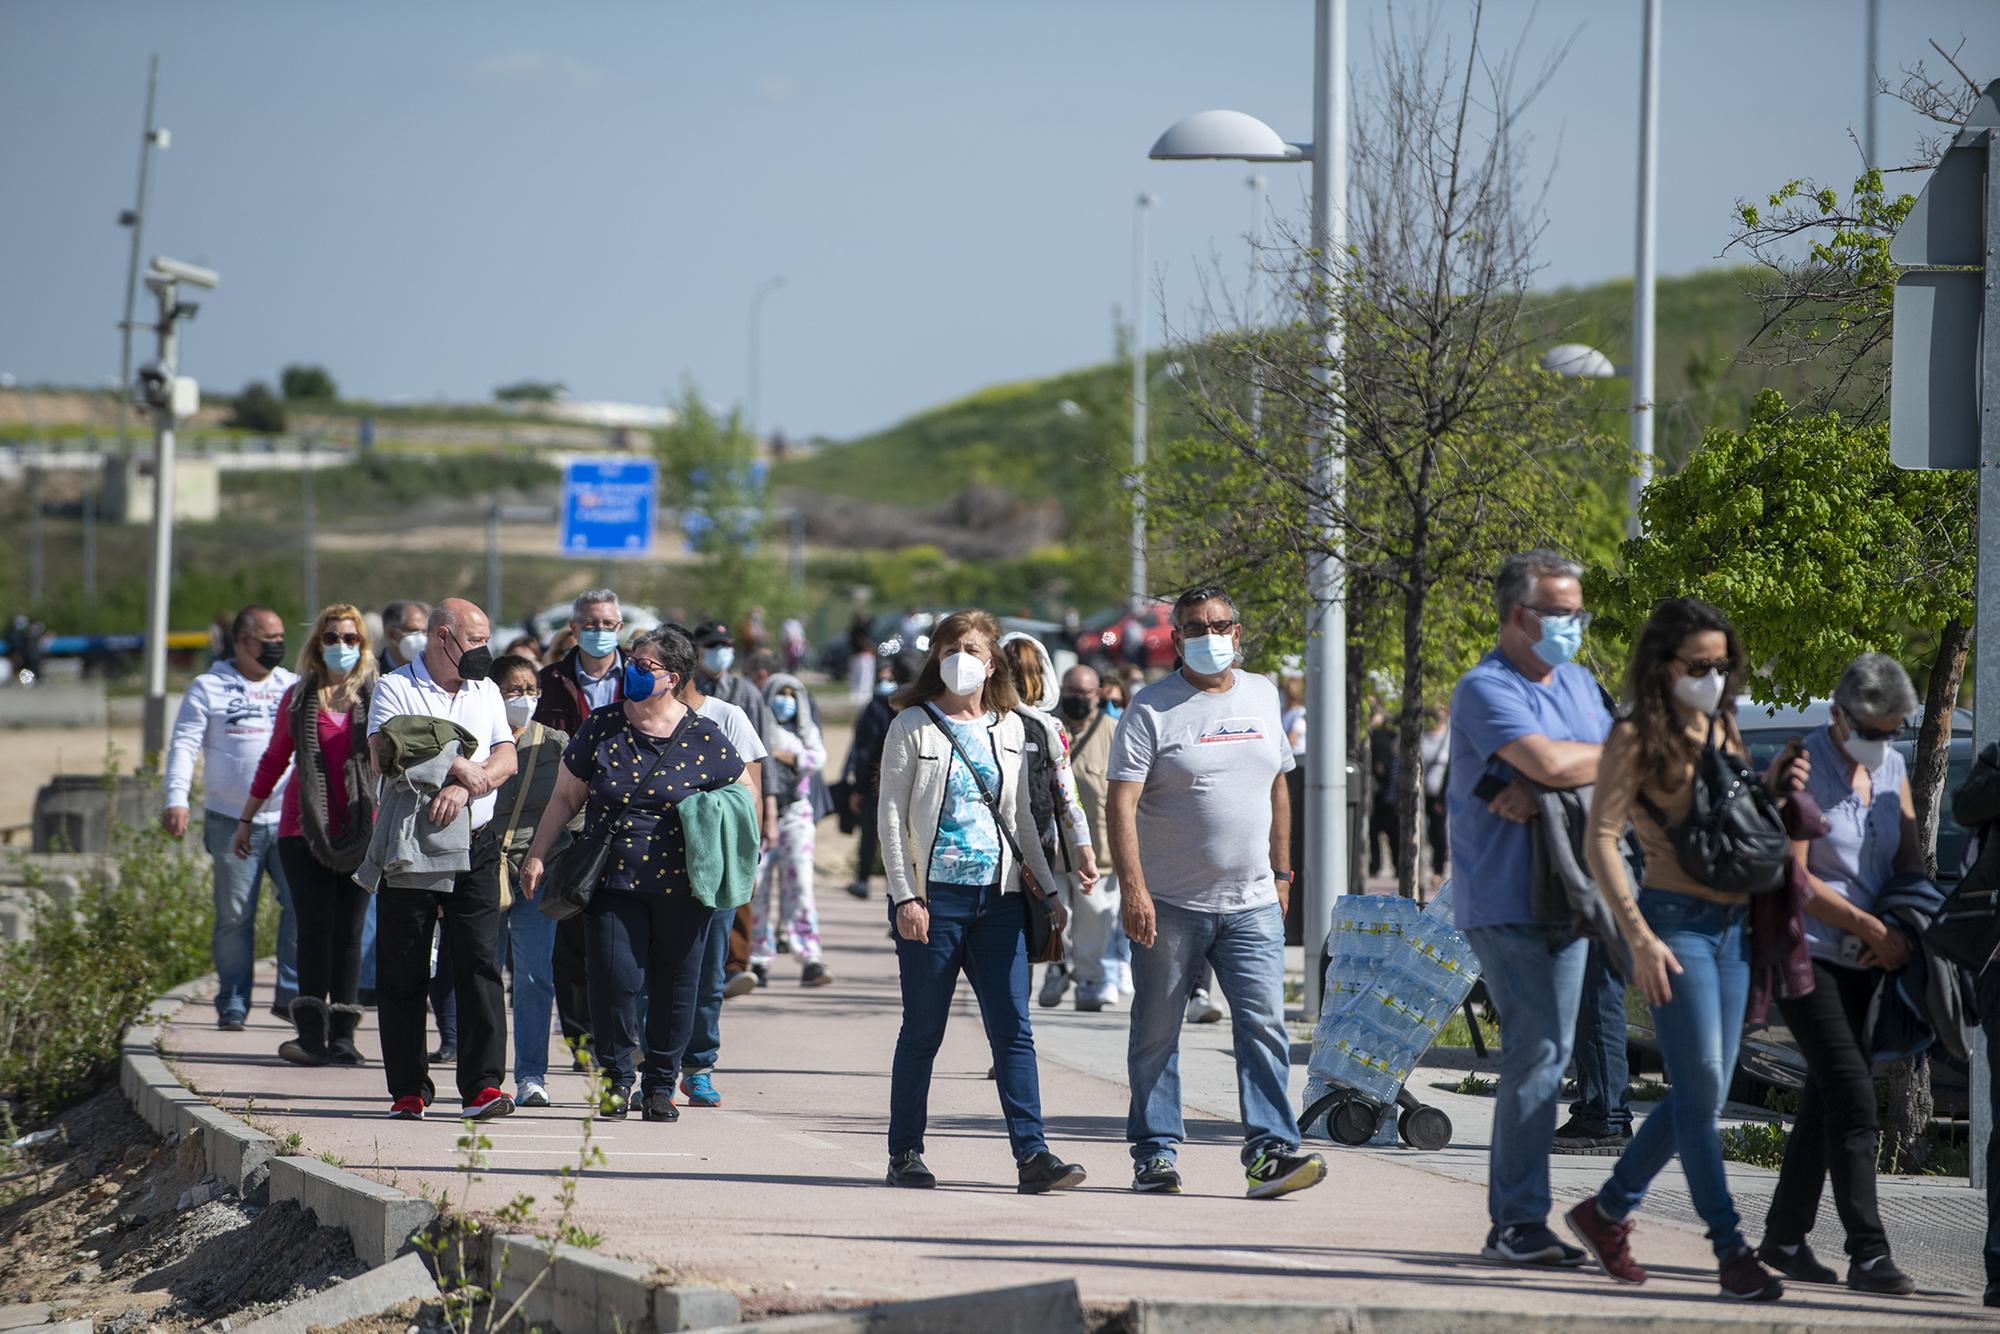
pixel 330 910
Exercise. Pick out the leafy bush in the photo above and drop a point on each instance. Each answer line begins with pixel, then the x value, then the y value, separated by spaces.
pixel 1758 1144
pixel 258 409
pixel 307 384
pixel 71 989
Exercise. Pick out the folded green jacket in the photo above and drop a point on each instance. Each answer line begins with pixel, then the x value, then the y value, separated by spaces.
pixel 720 831
pixel 416 737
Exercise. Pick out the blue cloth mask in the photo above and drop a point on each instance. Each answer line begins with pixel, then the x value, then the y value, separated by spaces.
pixel 342 657
pixel 639 682
pixel 784 708
pixel 597 643
pixel 1561 637
pixel 1209 655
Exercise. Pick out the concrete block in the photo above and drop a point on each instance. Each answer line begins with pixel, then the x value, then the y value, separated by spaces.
pixel 377 1220
pixel 1176 1317
pixel 401 1280
pixel 1039 1308
pixel 83 1326
pixel 239 1156
pixel 582 1291
pixel 694 1306
pixel 24 1314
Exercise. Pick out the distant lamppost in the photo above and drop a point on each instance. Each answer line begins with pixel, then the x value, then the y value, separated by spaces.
pixel 764 289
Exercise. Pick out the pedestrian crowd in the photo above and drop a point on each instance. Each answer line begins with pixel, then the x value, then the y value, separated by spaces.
pixel 625 824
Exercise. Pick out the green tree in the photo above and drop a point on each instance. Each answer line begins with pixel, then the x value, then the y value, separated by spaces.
pixel 709 465
pixel 307 384
pixel 531 391
pixel 258 409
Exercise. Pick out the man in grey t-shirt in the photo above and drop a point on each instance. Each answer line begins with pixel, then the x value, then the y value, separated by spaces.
pixel 1200 835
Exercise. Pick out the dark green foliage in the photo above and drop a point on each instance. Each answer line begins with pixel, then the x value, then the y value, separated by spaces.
pixel 258 409
pixel 531 391
pixel 307 384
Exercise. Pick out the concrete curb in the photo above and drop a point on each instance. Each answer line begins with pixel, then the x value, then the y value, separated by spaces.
pixel 371 1293
pixel 583 1291
pixel 1039 1308
pixel 1172 1317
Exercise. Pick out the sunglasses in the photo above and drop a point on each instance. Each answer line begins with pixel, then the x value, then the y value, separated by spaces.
pixel 1700 667
pixel 1877 733
pixel 333 637
pixel 1189 629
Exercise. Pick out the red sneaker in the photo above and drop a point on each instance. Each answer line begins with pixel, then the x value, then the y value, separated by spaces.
pixel 407 1109
pixel 490 1102
pixel 1746 1280
pixel 1608 1241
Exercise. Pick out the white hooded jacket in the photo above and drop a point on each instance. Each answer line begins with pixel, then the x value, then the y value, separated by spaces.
pixel 1044 728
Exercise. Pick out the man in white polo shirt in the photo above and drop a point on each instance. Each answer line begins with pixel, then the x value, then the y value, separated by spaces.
pixel 449 681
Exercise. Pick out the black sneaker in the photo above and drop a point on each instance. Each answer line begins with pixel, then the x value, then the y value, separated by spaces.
pixel 1575 1136
pixel 1796 1262
pixel 1530 1244
pixel 762 972
pixel 660 1106
pixel 616 1102
pixel 444 1056
pixel 1044 1172
pixel 907 1170
pixel 1992 1295
pixel 1275 1174
pixel 1156 1176
pixel 1878 1274
pixel 814 975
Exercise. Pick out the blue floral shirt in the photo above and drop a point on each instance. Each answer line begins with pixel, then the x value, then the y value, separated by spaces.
pixel 967 848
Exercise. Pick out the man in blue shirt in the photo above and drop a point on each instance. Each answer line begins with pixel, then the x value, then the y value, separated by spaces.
pixel 1525 714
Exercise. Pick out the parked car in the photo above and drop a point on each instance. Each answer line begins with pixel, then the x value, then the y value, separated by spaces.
pixel 1105 640
pixel 1768 1054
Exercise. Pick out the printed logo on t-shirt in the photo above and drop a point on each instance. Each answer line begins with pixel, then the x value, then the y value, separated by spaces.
pixel 1222 730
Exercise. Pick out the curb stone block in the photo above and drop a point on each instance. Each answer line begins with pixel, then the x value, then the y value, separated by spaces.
pixel 23 1315
pixel 1039 1308
pixel 401 1280
pixel 585 1291
pixel 377 1220
pixel 694 1306
pixel 1196 1317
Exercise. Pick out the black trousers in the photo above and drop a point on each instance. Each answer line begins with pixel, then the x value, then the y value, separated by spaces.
pixel 1835 1133
pixel 868 857
pixel 1989 1018
pixel 444 992
pixel 1382 826
pixel 1435 828
pixel 330 910
pixel 648 943
pixel 572 978
pixel 404 919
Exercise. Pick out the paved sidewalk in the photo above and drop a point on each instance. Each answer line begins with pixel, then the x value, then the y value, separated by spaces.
pixel 777 1194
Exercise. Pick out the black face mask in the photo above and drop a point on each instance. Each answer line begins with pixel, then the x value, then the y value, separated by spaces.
pixel 270 654
pixel 1075 708
pixel 476 664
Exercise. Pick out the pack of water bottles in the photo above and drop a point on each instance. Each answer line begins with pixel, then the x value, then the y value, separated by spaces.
pixel 1395 973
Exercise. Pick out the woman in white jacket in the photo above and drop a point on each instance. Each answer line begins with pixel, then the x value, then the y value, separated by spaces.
pixel 951 775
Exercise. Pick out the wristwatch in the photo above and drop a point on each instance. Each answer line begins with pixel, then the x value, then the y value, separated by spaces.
pixel 1287 876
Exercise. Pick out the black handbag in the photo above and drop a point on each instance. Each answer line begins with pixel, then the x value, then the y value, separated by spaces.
pixel 1734 838
pixel 1967 929
pixel 575 873
pixel 1045 943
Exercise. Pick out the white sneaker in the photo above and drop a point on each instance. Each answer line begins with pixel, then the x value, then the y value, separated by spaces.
pixel 1124 978
pixel 1202 1010
pixel 531 1094
pixel 1098 996
pixel 1054 983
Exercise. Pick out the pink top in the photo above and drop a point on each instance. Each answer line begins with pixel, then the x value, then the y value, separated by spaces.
pixel 336 743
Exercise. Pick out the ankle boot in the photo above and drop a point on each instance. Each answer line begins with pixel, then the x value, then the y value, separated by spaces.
pixel 309 1047
pixel 340 1025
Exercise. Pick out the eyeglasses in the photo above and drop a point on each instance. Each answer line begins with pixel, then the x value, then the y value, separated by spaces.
pixel 1583 617
pixel 655 668
pixel 332 638
pixel 600 625
pixel 1896 733
pixel 1189 629
pixel 1700 667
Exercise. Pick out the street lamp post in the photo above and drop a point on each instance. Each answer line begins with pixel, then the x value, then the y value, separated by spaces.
pixel 1136 481
pixel 1231 135
pixel 1644 275
pixel 1252 295
pixel 135 219
pixel 764 289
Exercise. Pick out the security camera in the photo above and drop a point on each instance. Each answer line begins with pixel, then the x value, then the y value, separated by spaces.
pixel 154 389
pixel 178 271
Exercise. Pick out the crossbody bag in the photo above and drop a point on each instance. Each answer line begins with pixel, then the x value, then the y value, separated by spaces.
pixel 1045 943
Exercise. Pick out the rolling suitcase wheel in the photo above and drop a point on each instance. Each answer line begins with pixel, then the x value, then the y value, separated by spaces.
pixel 1353 1122
pixel 1425 1128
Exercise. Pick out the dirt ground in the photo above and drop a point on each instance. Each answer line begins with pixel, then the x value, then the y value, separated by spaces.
pixel 107 1221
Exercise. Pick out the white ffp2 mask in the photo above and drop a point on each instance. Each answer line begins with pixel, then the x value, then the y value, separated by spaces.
pixel 962 673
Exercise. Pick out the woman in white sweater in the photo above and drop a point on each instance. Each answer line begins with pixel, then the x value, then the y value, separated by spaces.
pixel 956 825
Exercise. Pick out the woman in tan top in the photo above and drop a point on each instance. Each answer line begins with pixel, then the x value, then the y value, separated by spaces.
pixel 1690 944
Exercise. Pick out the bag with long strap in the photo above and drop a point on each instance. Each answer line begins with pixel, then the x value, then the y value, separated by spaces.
pixel 577 871
pixel 1045 943
pixel 1734 838
pixel 1967 929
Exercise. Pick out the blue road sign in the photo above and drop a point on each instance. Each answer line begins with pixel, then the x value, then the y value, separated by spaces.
pixel 608 507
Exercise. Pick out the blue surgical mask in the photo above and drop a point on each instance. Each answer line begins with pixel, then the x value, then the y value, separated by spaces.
pixel 884 689
pixel 597 643
pixel 1561 637
pixel 784 708
pixel 1209 655
pixel 342 657
pixel 715 661
pixel 639 682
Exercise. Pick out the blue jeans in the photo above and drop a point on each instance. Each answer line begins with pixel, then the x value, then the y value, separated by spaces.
pixel 1699 1030
pixel 1534 974
pixel 1247 951
pixel 984 934
pixel 705 1047
pixel 234 943
pixel 368 947
pixel 531 939
pixel 1603 1103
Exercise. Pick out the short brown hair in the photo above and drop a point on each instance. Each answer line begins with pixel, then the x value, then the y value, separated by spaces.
pixel 1001 695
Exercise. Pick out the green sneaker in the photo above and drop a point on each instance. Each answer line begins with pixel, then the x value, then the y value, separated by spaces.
pixel 1275 1174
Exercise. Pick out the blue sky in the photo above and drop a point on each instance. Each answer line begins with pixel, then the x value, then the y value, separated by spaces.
pixel 434 199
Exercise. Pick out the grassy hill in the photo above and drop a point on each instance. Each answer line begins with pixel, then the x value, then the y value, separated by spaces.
pixel 1020 435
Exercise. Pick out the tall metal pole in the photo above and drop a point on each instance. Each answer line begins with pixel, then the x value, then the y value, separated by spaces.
pixel 755 389
pixel 159 588
pixel 1868 142
pixel 138 225
pixel 492 607
pixel 308 525
pixel 1136 480
pixel 36 562
pixel 1326 634
pixel 1986 624
pixel 1253 304
pixel 1644 276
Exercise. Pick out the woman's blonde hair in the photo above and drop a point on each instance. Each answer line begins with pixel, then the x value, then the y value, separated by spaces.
pixel 1001 695
pixel 313 671
pixel 1026 660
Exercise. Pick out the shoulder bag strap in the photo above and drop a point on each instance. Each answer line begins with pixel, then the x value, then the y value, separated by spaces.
pixel 979 781
pixel 527 778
